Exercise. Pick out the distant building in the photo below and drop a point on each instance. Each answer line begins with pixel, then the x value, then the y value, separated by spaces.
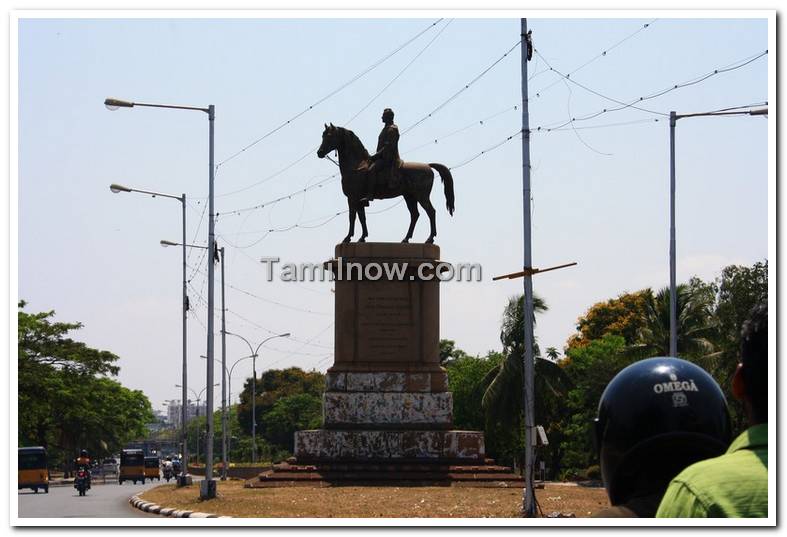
pixel 174 412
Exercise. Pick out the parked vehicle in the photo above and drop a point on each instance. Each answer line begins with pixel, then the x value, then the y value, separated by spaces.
pixel 82 481
pixel 152 465
pixel 109 466
pixel 33 472
pixel 132 466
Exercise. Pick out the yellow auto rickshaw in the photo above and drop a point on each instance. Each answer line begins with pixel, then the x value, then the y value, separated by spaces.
pixel 33 473
pixel 132 466
pixel 152 466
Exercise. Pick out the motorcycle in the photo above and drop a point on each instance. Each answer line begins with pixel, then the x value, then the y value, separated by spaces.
pixel 82 481
pixel 167 473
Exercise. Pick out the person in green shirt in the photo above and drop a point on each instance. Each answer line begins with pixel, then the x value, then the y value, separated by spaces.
pixel 736 483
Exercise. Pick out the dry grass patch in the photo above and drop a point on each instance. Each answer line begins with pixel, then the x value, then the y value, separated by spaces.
pixel 376 502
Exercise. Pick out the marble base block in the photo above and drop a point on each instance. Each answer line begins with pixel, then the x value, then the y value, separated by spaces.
pixel 385 410
pixel 364 445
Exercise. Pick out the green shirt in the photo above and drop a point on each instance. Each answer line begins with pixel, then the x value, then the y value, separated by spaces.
pixel 733 485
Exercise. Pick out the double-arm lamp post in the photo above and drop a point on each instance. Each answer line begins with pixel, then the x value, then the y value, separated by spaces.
pixel 208 485
pixel 198 399
pixel 183 478
pixel 254 388
pixel 229 412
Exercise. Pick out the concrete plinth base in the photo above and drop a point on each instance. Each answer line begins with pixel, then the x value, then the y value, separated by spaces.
pixel 184 480
pixel 207 489
pixel 325 474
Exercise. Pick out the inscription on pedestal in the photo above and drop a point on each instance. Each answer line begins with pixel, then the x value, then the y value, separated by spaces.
pixel 386 320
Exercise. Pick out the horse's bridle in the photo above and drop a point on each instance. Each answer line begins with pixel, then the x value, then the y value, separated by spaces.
pixel 329 158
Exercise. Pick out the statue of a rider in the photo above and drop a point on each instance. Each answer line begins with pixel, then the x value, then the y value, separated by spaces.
pixel 385 162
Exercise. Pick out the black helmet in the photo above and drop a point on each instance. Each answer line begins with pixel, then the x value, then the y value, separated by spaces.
pixel 83 453
pixel 655 418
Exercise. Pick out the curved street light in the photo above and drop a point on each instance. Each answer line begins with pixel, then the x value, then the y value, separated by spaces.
pixel 254 388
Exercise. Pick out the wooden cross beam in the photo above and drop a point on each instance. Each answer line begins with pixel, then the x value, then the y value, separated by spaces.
pixel 530 271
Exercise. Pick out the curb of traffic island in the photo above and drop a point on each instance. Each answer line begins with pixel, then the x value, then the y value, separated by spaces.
pixel 150 507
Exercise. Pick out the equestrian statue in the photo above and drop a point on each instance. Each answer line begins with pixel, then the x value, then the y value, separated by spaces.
pixel 384 175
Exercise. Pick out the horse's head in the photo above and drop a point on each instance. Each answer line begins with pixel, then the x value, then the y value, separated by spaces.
pixel 330 140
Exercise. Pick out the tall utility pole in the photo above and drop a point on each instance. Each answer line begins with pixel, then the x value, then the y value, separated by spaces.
pixel 673 298
pixel 208 485
pixel 224 431
pixel 528 496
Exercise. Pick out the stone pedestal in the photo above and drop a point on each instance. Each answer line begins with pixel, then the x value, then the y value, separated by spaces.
pixel 387 409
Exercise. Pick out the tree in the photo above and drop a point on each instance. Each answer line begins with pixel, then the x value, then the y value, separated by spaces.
pixel 448 351
pixel 503 397
pixel 739 288
pixel 297 412
pixel 466 382
pixel 590 368
pixel 695 330
pixel 624 316
pixel 288 400
pixel 66 399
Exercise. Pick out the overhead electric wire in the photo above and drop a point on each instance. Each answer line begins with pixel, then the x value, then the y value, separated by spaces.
pixel 487 150
pixel 462 90
pixel 400 73
pixel 274 302
pixel 331 94
pixel 306 343
pixel 601 54
pixel 730 67
pixel 476 123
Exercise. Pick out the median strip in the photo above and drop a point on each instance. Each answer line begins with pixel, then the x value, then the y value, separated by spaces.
pixel 150 507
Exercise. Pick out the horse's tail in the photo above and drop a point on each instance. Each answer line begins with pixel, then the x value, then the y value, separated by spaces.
pixel 448 185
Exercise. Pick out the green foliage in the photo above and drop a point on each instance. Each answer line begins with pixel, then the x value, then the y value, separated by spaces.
pixel 695 329
pixel 466 382
pixel 289 414
pixel 288 400
pixel 593 472
pixel 590 367
pixel 738 289
pixel 449 352
pixel 66 401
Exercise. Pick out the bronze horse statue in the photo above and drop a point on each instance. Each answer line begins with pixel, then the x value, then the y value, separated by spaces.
pixel 415 182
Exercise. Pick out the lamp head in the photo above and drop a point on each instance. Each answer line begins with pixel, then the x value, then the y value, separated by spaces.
pixel 114 104
pixel 167 243
pixel 114 187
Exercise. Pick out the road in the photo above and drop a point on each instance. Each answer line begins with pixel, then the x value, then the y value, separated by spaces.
pixel 110 501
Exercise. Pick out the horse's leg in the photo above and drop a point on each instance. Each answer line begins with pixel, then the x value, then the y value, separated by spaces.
pixel 412 206
pixel 427 205
pixel 362 218
pixel 351 204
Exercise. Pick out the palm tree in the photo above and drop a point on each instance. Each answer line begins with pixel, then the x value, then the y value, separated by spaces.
pixel 503 398
pixel 694 323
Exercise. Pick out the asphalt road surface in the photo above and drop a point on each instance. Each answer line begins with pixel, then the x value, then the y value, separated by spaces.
pixel 101 501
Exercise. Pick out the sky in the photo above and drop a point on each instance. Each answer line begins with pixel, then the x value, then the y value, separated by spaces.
pixel 600 186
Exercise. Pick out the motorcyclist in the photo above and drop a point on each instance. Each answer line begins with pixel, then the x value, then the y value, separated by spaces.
pixel 83 462
pixel 176 466
pixel 655 418
pixel 167 467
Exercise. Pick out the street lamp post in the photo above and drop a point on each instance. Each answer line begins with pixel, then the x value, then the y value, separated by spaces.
pixel 208 485
pixel 673 296
pixel 198 398
pixel 229 403
pixel 166 243
pixel 254 389
pixel 183 478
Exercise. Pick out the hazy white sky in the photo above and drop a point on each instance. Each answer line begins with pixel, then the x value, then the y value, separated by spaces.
pixel 600 192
